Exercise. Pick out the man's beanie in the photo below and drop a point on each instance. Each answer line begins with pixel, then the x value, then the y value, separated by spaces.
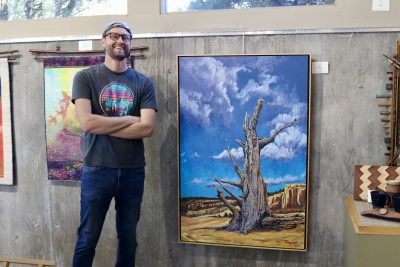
pixel 116 24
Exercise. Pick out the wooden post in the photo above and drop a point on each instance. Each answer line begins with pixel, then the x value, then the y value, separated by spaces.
pixel 394 153
pixel 394 150
pixel 396 77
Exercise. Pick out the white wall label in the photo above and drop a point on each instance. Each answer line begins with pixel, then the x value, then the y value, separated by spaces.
pixel 85 45
pixel 319 67
pixel 380 5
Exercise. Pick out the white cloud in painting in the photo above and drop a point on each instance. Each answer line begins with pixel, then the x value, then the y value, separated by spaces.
pixel 261 85
pixel 195 155
pixel 298 112
pixel 281 98
pixel 260 88
pixel 265 64
pixel 207 86
pixel 287 179
pixel 286 145
pixel 237 154
pixel 272 151
pixel 290 141
pixel 192 102
pixel 206 92
pixel 196 181
pixel 214 184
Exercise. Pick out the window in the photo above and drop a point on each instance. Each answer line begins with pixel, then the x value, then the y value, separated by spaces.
pixel 191 5
pixel 41 9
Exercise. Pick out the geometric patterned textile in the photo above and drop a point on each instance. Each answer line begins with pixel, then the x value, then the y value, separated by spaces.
pixel 369 177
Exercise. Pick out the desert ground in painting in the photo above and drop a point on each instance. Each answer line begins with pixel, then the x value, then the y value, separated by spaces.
pixel 202 229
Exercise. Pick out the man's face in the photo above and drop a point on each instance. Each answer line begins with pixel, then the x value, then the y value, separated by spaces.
pixel 115 46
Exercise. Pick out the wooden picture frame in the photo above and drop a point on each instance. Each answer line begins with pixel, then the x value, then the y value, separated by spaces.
pixel 6 138
pixel 244 150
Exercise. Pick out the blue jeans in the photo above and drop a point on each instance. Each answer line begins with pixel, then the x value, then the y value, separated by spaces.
pixel 99 185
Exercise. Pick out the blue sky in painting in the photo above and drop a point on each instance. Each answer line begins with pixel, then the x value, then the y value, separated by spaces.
pixel 215 93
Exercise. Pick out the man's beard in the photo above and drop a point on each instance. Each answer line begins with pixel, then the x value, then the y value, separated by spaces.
pixel 118 56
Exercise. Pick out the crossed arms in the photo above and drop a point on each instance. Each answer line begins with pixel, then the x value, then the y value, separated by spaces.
pixel 129 127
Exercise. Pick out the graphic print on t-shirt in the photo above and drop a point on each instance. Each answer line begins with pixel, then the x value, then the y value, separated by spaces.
pixel 117 100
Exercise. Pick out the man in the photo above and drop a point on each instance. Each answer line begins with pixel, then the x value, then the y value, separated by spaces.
pixel 116 107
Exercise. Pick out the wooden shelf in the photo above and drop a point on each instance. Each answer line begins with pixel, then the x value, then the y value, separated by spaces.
pixel 366 225
pixel 6 261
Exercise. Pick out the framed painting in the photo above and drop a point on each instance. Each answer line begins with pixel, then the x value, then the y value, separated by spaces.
pixel 244 150
pixel 6 140
pixel 63 132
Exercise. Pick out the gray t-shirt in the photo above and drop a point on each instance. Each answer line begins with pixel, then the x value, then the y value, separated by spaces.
pixel 114 94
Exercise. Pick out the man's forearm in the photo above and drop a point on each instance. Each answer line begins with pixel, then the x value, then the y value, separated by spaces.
pixel 134 131
pixel 99 124
pixel 142 129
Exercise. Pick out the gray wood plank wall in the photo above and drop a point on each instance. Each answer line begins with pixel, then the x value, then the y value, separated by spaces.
pixel 38 218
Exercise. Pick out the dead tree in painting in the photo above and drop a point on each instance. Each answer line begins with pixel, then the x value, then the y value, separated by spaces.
pixel 253 204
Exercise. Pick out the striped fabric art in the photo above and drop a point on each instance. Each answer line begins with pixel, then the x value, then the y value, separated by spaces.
pixel 370 177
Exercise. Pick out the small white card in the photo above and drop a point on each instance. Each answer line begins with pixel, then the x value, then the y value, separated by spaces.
pixel 85 45
pixel 319 67
pixel 369 196
pixel 380 5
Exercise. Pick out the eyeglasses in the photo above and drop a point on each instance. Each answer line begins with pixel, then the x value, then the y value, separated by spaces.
pixel 115 36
